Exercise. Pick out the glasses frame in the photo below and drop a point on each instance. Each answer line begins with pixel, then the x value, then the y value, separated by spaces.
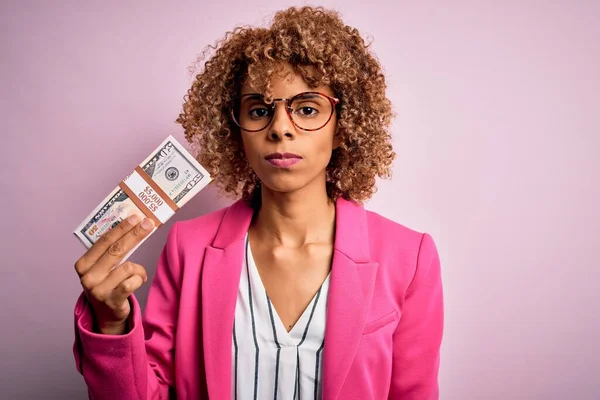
pixel 333 100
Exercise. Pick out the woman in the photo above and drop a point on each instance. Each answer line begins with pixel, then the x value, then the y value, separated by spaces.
pixel 295 290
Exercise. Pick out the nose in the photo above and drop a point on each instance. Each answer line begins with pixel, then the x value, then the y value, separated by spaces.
pixel 281 124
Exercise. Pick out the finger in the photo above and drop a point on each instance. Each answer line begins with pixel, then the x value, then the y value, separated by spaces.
pixel 103 290
pixel 125 289
pixel 117 250
pixel 92 255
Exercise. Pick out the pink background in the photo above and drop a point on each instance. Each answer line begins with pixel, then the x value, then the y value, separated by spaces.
pixel 497 137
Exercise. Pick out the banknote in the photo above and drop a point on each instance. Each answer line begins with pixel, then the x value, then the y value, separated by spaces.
pixel 165 181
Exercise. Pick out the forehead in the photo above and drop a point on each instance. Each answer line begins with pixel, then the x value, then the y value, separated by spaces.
pixel 286 83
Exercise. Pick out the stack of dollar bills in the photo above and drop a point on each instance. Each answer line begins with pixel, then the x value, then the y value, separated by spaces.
pixel 167 179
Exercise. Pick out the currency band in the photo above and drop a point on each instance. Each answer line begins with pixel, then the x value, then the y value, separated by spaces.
pixel 139 204
pixel 148 196
pixel 157 188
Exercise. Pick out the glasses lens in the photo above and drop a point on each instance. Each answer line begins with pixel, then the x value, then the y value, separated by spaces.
pixel 252 113
pixel 309 111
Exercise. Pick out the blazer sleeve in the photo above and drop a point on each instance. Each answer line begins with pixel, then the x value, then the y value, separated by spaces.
pixel 138 364
pixel 418 337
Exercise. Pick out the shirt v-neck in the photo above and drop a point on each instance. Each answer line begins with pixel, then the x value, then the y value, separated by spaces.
pixel 298 334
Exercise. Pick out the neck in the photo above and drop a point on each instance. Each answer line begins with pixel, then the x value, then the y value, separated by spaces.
pixel 295 219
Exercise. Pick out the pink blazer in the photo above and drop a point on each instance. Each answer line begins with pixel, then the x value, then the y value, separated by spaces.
pixel 384 315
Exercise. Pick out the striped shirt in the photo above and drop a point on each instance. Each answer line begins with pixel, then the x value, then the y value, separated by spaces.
pixel 268 361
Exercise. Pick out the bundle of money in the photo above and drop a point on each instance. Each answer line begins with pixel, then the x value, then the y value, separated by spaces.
pixel 167 179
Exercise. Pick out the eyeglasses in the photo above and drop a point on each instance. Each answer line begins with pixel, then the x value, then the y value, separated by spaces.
pixel 309 111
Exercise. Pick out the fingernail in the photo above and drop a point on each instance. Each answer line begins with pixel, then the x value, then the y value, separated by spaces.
pixel 134 219
pixel 147 224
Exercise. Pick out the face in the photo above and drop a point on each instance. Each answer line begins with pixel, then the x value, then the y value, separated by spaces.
pixel 285 157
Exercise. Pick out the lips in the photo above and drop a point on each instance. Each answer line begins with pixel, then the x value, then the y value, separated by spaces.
pixel 281 156
pixel 282 160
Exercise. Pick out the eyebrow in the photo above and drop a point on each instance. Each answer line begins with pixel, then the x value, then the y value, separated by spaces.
pixel 304 95
pixel 307 95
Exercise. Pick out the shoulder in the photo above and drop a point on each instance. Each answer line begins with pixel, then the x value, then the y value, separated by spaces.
pixel 197 232
pixel 405 256
pixel 386 229
pixel 390 237
pixel 203 224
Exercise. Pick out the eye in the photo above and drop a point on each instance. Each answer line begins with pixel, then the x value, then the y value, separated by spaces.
pixel 307 111
pixel 259 112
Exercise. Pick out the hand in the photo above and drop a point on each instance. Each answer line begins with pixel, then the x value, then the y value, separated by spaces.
pixel 108 288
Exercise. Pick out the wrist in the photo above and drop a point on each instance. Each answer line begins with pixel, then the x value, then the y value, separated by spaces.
pixel 112 328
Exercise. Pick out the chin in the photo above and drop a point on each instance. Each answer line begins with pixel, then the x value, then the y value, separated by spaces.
pixel 282 187
pixel 290 181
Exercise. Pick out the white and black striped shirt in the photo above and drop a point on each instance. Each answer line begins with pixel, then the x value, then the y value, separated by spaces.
pixel 268 361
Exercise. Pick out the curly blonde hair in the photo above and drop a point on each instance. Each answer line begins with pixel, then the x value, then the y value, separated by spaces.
pixel 309 39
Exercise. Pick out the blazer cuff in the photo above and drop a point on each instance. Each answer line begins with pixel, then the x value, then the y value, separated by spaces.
pixel 98 346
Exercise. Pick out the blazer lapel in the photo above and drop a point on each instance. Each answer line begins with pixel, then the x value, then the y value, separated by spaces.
pixel 220 281
pixel 350 291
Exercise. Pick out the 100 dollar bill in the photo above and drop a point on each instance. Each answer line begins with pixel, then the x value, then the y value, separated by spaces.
pixel 167 179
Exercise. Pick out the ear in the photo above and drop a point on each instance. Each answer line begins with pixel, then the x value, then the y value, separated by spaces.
pixel 337 138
